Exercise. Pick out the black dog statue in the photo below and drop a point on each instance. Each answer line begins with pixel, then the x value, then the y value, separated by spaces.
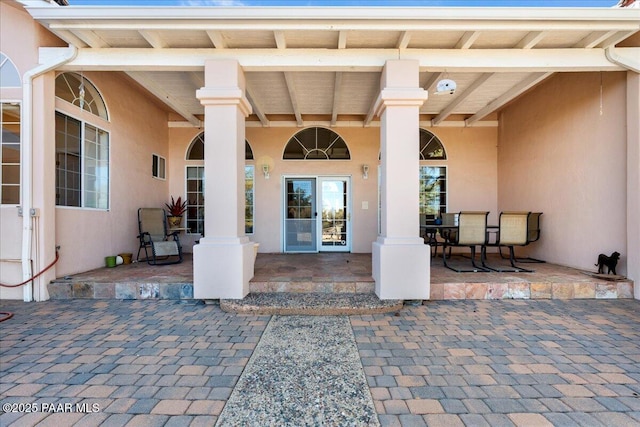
pixel 609 261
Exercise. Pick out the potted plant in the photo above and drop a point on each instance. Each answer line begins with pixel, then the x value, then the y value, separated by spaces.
pixel 176 208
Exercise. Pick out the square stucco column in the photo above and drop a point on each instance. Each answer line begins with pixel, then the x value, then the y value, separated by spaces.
pixel 633 180
pixel 223 262
pixel 400 258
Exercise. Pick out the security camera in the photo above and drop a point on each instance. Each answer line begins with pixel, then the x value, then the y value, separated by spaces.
pixel 446 86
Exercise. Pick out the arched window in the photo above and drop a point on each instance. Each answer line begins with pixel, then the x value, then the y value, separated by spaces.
pixel 195 187
pixel 82 148
pixel 316 144
pixel 196 149
pixel 9 75
pixel 10 137
pixel 77 90
pixel 430 147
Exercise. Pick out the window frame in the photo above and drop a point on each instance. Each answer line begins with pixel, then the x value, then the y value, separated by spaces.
pixel 83 123
pixel 17 103
pixel 158 163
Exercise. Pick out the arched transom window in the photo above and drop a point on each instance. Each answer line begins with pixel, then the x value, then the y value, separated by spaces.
pixel 430 147
pixel 196 149
pixel 77 90
pixel 9 75
pixel 316 144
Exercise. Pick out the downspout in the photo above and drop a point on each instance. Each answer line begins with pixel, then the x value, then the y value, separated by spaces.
pixel 627 63
pixel 26 161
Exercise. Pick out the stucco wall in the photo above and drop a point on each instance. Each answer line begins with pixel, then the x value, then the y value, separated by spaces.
pixel 138 128
pixel 562 151
pixel 472 171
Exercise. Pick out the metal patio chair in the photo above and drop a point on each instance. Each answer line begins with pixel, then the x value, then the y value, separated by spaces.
pixel 471 231
pixel 163 247
pixel 533 234
pixel 513 230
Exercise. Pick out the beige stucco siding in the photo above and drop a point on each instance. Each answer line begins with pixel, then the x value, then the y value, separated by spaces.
pixel 562 151
pixel 138 128
pixel 471 163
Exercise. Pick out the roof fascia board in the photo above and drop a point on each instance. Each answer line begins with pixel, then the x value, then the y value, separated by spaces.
pixel 362 60
pixel 345 14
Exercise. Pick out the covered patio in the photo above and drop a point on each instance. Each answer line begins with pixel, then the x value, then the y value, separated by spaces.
pixel 340 273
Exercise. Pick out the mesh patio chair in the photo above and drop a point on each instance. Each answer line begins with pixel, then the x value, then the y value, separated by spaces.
pixel 513 230
pixel 163 247
pixel 533 234
pixel 471 231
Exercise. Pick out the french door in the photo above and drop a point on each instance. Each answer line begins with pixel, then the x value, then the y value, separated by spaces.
pixel 317 214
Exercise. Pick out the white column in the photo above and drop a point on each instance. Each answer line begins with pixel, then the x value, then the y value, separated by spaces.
pixel 633 180
pixel 223 261
pixel 400 258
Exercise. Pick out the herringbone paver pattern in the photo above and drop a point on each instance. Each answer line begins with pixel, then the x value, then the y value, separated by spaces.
pixel 446 363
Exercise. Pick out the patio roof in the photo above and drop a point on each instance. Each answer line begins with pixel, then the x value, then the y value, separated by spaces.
pixel 312 65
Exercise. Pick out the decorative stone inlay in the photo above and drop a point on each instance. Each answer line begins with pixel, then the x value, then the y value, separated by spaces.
pixel 584 290
pixel 540 290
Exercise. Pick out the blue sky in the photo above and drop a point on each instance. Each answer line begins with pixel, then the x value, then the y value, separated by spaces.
pixel 453 3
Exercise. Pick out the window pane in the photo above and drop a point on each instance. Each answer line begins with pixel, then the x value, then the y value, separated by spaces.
pixel 433 194
pixel 10 156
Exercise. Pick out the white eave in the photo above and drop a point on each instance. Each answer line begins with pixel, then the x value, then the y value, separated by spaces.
pixel 326 61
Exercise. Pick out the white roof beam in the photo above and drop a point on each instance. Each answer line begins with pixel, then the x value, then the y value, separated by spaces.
pixel 165 97
pixel 531 39
pixel 467 40
pixel 446 112
pixel 616 38
pixel 257 109
pixel 431 81
pixel 288 78
pixel 281 42
pixel 336 98
pixel 217 39
pixel 433 60
pixel 405 39
pixel 512 93
pixel 71 38
pixel 154 39
pixel 342 40
pixel 594 39
pixel 90 38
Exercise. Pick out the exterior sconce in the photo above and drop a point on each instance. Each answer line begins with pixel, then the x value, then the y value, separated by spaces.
pixel 265 171
pixel 365 171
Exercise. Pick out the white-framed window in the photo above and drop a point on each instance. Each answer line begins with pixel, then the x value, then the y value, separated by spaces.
pixel 195 188
pixel 316 143
pixel 10 147
pixel 433 190
pixel 158 166
pixel 82 148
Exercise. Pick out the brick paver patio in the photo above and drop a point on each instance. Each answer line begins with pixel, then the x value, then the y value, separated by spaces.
pixel 446 363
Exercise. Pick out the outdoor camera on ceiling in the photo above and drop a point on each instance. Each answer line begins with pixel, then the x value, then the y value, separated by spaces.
pixel 446 86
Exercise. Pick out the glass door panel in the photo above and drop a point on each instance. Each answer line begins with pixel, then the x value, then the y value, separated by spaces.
pixel 336 214
pixel 301 215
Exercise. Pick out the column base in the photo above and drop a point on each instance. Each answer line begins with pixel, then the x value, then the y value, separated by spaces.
pixel 222 269
pixel 401 270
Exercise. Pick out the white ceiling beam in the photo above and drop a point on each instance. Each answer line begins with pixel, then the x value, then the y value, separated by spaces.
pixel 70 38
pixel 364 60
pixel 467 40
pixel 90 38
pixel 531 39
pixel 165 97
pixel 342 40
pixel 288 78
pixel 512 93
pixel 154 39
pixel 594 39
pixel 432 80
pixel 446 112
pixel 404 40
pixel 257 109
pixel 616 38
pixel 281 41
pixel 337 90
pixel 217 39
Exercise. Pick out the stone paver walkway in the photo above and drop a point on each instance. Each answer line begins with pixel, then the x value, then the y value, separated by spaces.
pixel 446 363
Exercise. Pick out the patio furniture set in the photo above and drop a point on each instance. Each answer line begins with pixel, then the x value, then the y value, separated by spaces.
pixel 470 229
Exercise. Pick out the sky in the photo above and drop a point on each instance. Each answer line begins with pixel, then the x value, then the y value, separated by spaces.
pixel 441 3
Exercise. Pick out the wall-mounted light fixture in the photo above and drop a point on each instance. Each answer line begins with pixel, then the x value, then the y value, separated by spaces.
pixel 265 170
pixel 365 171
